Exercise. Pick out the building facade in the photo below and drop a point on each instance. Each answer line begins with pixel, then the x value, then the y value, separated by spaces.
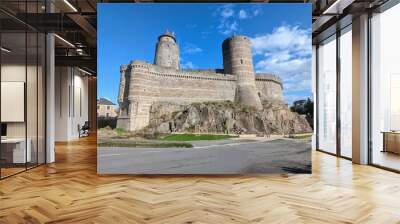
pixel 142 84
pixel 357 84
pixel 106 108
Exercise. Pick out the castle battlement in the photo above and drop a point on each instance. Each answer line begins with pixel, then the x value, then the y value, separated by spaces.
pixel 269 77
pixel 138 64
pixel 142 84
pixel 186 75
pixel 237 37
pixel 211 71
pixel 200 74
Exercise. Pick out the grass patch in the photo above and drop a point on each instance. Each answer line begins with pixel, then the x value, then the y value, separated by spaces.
pixel 120 131
pixel 144 144
pixel 195 137
pixel 305 136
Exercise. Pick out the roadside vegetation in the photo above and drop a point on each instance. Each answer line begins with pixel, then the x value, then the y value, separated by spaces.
pixel 118 137
pixel 134 143
pixel 195 137
pixel 301 136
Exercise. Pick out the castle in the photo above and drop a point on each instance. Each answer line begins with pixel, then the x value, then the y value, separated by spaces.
pixel 142 84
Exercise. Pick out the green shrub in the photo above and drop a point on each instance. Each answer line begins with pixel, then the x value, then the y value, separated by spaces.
pixel 120 131
pixel 103 122
pixel 190 129
pixel 156 134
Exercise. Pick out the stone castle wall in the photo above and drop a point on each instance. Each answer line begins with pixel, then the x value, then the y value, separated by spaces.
pixel 269 87
pixel 143 84
pixel 150 83
pixel 167 52
pixel 238 61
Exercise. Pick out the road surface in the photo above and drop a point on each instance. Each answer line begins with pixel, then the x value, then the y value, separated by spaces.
pixel 238 156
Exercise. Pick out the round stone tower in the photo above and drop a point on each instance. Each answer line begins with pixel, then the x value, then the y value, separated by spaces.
pixel 238 60
pixel 167 51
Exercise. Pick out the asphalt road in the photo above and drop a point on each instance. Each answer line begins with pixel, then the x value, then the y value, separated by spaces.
pixel 240 156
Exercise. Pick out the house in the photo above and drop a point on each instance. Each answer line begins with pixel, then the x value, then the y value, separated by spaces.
pixel 106 108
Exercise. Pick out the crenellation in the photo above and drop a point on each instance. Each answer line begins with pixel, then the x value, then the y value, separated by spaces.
pixel 142 84
pixel 265 77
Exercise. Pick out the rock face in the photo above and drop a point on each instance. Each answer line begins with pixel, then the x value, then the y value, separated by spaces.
pixel 226 117
pixel 142 83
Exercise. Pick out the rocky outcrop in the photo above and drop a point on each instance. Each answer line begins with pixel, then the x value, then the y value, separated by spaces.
pixel 226 117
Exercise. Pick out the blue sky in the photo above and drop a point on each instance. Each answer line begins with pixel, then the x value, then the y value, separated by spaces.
pixel 280 34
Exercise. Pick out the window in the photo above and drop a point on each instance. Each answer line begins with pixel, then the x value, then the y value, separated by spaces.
pixel 346 92
pixel 327 95
pixel 385 88
pixel 22 65
pixel 329 112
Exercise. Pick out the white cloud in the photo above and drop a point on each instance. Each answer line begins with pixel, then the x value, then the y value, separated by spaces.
pixel 243 14
pixel 229 27
pixel 191 49
pixel 229 15
pixel 286 65
pixel 227 11
pixel 295 72
pixel 291 98
pixel 226 19
pixel 188 65
pixel 298 85
pixel 283 37
pixel 286 51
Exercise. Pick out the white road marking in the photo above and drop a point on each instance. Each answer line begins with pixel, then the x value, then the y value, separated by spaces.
pixel 111 154
pixel 230 144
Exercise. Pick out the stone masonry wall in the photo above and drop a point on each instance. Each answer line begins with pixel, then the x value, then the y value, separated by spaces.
pixel 269 87
pixel 237 58
pixel 151 83
pixel 167 52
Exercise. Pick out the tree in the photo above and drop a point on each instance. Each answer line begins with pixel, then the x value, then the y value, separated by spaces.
pixel 306 109
pixel 309 111
pixel 309 107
